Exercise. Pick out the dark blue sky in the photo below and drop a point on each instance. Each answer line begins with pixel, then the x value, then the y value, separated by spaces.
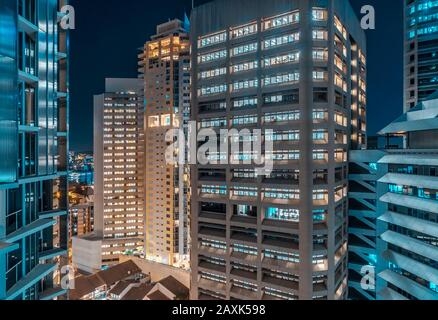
pixel 108 33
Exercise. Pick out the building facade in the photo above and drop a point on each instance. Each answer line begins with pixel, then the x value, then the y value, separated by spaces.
pixel 421 51
pixel 34 138
pixel 396 240
pixel 299 69
pixel 165 68
pixel 118 176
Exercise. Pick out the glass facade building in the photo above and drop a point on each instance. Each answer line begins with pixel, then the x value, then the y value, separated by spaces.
pixel 421 50
pixel 297 68
pixel 34 139
pixel 394 212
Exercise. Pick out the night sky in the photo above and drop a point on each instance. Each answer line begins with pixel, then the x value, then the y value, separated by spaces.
pixel 109 32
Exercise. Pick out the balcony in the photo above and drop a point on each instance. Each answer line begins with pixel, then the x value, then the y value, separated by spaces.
pixel 239 237
pixel 281 265
pixel 243 275
pixel 213 217
pixel 213 233
pixel 208 267
pixel 244 294
pixel 212 251
pixel 243 221
pixel 213 285
pixel 244 257
pixel 281 283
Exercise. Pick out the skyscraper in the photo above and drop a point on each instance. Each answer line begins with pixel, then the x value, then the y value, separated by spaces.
pixel 165 68
pixel 298 68
pixel 395 226
pixel 34 139
pixel 118 182
pixel 421 51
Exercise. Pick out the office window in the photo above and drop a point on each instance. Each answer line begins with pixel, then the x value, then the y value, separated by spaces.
pixel 245 84
pixel 210 40
pixel 212 73
pixel 319 14
pixel 212 56
pixel 247 48
pixel 246 66
pixel 282 40
pixel 320 35
pixel 245 102
pixel 281 79
pixel 281 117
pixel 211 90
pixel 282 59
pixel 244 31
pixel 282 20
pixel 320 54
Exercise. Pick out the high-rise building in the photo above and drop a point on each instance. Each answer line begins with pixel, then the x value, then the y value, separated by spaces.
pixel 395 227
pixel 297 67
pixel 420 51
pixel 118 182
pixel 165 68
pixel 34 143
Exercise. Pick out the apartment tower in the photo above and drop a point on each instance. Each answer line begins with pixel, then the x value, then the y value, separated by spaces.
pixel 165 68
pixel 118 178
pixel 34 139
pixel 297 67
pixel 421 51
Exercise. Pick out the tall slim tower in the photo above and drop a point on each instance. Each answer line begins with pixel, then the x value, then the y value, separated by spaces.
pixel 421 51
pixel 296 67
pixel 118 178
pixel 165 67
pixel 34 143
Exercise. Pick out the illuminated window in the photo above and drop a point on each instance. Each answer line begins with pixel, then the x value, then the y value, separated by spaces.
pixel 282 40
pixel 319 14
pixel 244 31
pixel 282 59
pixel 154 121
pixel 165 120
pixel 210 40
pixel 281 21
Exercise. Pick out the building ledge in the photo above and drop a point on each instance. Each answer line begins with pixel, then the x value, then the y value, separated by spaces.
pixel 388 294
pixel 30 229
pixel 422 226
pixel 411 244
pixel 37 273
pixel 415 267
pixel 410 180
pixel 6 247
pixel 410 202
pixel 26 77
pixel 411 287
pixel 52 214
pixel 50 254
pixel 26 26
pixel 52 293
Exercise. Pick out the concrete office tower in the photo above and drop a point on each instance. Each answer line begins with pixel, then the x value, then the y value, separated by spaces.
pixel 118 178
pixel 165 67
pixel 421 51
pixel 402 224
pixel 297 67
pixel 34 142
